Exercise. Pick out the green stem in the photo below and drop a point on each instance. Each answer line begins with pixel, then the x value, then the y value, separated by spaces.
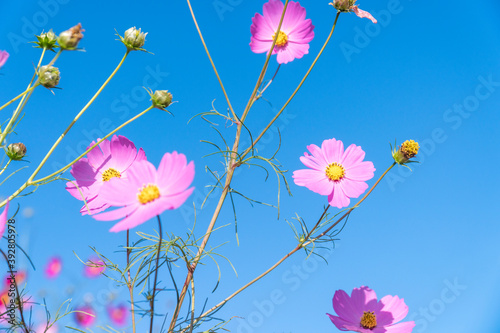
pixel 152 302
pixel 130 285
pixel 17 97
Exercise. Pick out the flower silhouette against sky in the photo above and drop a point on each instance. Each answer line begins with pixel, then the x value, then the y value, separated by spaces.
pixel 111 159
pixel 339 174
pixel 295 34
pixel 361 312
pixel 148 192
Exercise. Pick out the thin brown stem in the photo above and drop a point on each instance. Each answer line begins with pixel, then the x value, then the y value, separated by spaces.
pixel 152 301
pixel 129 284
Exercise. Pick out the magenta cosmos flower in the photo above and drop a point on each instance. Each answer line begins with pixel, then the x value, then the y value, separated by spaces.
pixel 4 55
pixel 111 159
pixel 295 34
pixel 361 312
pixel 53 268
pixel 118 314
pixel 94 267
pixel 148 192
pixel 85 316
pixel 3 218
pixel 334 172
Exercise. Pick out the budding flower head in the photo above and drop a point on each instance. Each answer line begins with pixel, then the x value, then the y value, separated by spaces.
pixel 403 154
pixel 161 99
pixel 49 76
pixel 46 40
pixel 68 40
pixel 343 5
pixel 134 39
pixel 16 151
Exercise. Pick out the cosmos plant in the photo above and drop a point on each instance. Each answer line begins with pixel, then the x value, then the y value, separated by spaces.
pixel 112 180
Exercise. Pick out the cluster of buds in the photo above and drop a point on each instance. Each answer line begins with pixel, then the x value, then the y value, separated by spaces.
pixel 161 99
pixel 134 39
pixel 46 40
pixel 69 39
pixel 49 76
pixel 16 151
pixel 403 154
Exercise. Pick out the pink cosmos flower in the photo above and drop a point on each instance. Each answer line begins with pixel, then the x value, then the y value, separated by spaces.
pixel 118 314
pixel 4 55
pixel 361 312
pixel 111 159
pixel 42 329
pixel 53 268
pixel 85 319
pixel 295 34
pixel 3 218
pixel 94 267
pixel 148 192
pixel 334 172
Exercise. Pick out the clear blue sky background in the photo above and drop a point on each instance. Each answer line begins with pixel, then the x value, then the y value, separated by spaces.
pixel 404 78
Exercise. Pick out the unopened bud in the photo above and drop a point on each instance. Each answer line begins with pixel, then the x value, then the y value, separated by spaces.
pixel 16 151
pixel 343 5
pixel 408 150
pixel 134 39
pixel 46 40
pixel 49 76
pixel 68 40
pixel 161 99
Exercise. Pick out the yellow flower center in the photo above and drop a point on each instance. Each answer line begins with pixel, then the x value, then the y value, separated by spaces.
pixel 110 173
pixel 369 320
pixel 148 193
pixel 282 39
pixel 409 148
pixel 335 171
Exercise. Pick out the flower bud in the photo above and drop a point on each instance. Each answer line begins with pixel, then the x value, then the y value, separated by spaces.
pixel 4 55
pixel 49 76
pixel 161 99
pixel 68 40
pixel 16 151
pixel 134 39
pixel 343 5
pixel 46 40
pixel 408 150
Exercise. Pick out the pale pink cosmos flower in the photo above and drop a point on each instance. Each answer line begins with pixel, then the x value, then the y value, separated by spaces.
pixel 118 314
pixel 94 267
pixel 111 159
pixel 295 34
pixel 339 174
pixel 4 218
pixel 148 192
pixel 53 268
pixel 4 55
pixel 42 328
pixel 85 315
pixel 361 312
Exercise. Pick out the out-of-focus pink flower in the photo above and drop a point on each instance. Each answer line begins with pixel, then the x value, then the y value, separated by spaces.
pixel 94 267
pixel 3 218
pixel 53 268
pixel 361 312
pixel 85 315
pixel 294 36
pixel 334 172
pixel 118 314
pixel 42 329
pixel 4 55
pixel 148 192
pixel 111 159
pixel 20 277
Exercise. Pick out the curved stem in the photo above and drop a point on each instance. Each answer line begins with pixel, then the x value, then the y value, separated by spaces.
pixel 296 90
pixel 130 286
pixel 152 301
pixel 17 97
pixel 5 167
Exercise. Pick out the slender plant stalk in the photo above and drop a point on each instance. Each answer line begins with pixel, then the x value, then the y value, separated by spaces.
pixel 129 284
pixel 152 301
pixel 6 166
pixel 19 303
pixel 297 248
pixel 17 97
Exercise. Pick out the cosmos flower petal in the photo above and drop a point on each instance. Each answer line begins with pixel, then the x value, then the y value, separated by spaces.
pixel 299 51
pixel 141 173
pixel 139 216
pixel 333 150
pixel 261 30
pixel 352 188
pixel 82 171
pixel 302 33
pixel 344 307
pixel 340 323
pixel 118 193
pixel 313 180
pixel 272 11
pixel 95 205
pixel 338 198
pixel 176 200
pixel 404 327
pixel 96 156
pixel 295 14
pixel 363 14
pixel 3 218
pixel 4 55
pixel 115 214
pixel 319 155
pixel 396 306
pixel 353 155
pixel 123 151
pixel 362 171
pixel 311 162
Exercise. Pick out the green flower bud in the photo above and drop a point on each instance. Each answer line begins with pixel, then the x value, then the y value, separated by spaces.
pixel 16 151
pixel 46 40
pixel 134 39
pixel 49 76
pixel 68 40
pixel 161 99
pixel 403 154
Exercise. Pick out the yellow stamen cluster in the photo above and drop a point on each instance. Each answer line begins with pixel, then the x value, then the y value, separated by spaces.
pixel 369 320
pixel 335 171
pixel 148 193
pixel 409 148
pixel 110 173
pixel 282 39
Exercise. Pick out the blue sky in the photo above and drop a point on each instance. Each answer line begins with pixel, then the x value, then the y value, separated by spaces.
pixel 428 71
